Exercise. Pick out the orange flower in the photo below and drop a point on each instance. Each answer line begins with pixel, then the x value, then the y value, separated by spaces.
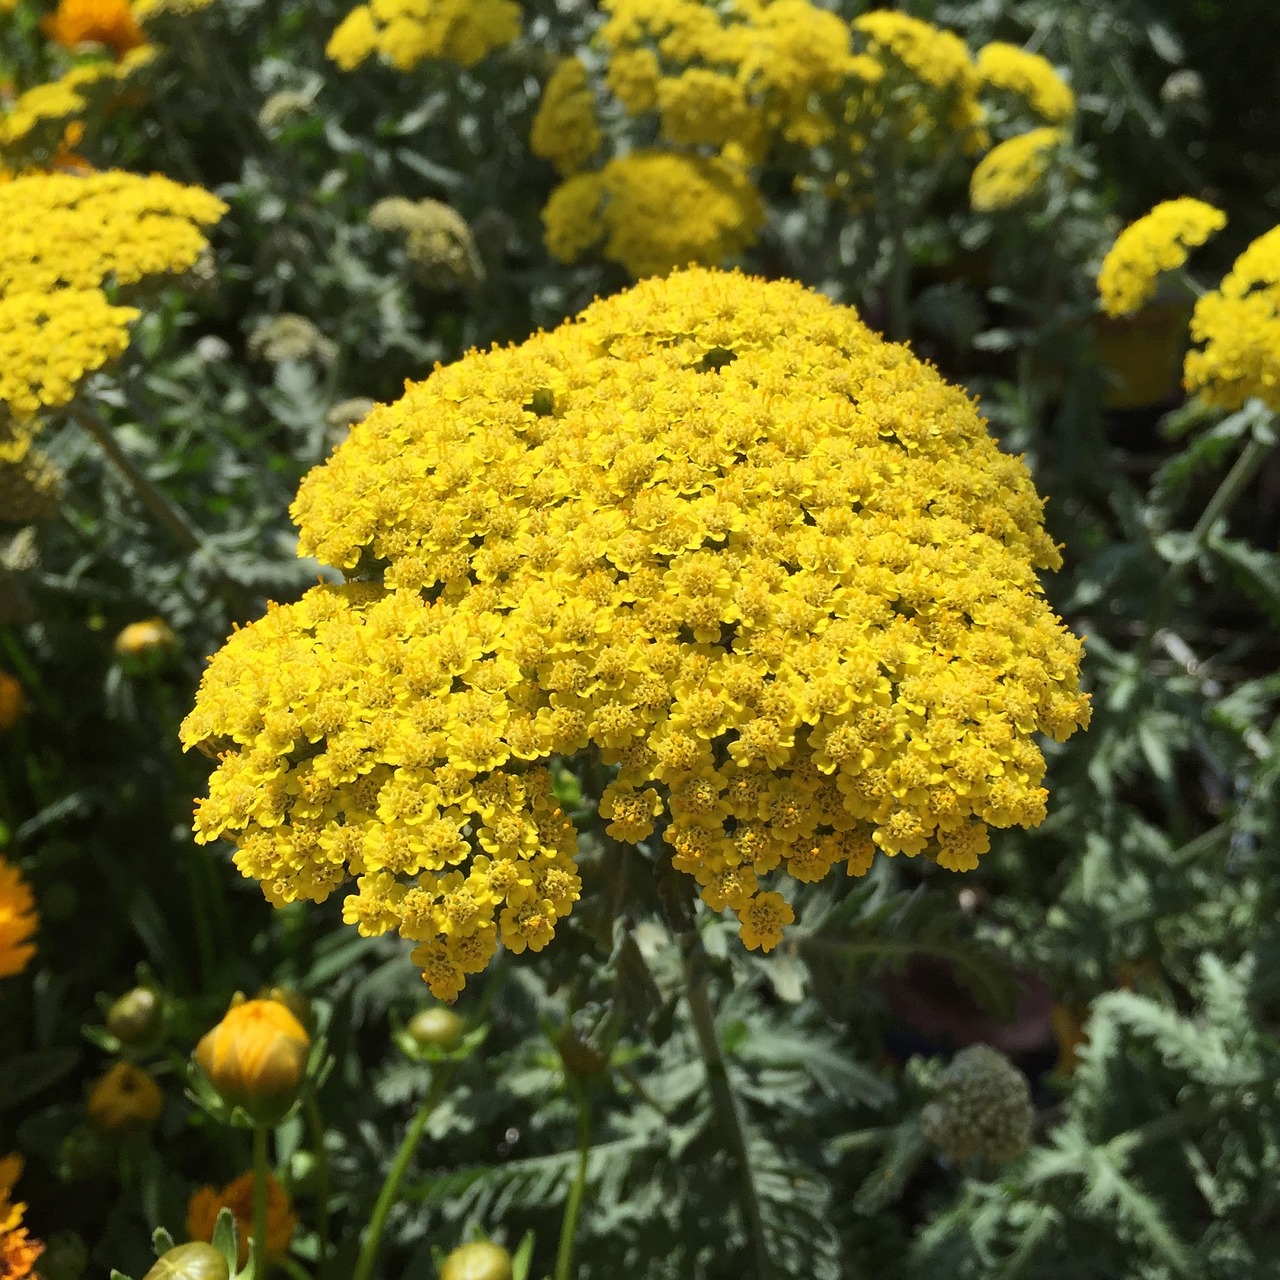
pixel 109 22
pixel 205 1204
pixel 18 920
pixel 18 1252
pixel 11 701
pixel 125 1100
pixel 256 1058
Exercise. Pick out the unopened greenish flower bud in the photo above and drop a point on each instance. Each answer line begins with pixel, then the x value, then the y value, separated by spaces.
pixel 290 337
pixel 135 1018
pixel 436 1028
pixel 282 107
pixel 346 413
pixel 437 240
pixel 479 1260
pixel 304 1173
pixel 982 1108
pixel 194 1261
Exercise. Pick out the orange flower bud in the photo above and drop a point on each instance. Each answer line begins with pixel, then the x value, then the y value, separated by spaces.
pixel 143 646
pixel 256 1058
pixel 12 701
pixel 125 1100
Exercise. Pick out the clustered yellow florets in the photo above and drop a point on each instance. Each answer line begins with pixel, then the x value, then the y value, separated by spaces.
pixel 63 238
pixel 1013 171
pixel 565 130
pixel 1029 77
pixel 768 569
pixel 1159 241
pixel 407 32
pixel 655 210
pixel 1239 325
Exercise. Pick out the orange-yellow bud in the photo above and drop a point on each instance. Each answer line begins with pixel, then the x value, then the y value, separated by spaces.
pixel 256 1058
pixel 12 701
pixel 125 1100
pixel 143 646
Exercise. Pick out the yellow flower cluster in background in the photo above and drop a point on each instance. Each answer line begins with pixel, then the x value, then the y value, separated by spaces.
pixel 64 239
pixel 770 568
pixel 1028 77
pixel 18 918
pixel 1159 241
pixel 565 130
pixel 654 211
pixel 18 1250
pixel 1014 170
pixel 1239 326
pixel 437 240
pixel 407 32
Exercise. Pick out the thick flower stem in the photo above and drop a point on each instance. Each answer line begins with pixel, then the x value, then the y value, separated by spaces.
pixel 258 1243
pixel 395 1175
pixel 573 1206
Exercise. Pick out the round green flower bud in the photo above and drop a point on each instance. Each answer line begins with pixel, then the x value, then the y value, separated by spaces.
pixel 436 1028
pixel 479 1260
pixel 195 1261
pixel 135 1018
pixel 983 1108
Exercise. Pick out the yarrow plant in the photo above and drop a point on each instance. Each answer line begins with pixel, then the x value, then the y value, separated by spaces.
pixel 1013 171
pixel 408 32
pixel 767 570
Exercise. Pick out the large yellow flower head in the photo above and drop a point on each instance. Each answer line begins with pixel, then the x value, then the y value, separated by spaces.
pixel 1239 326
pixel 656 211
pixel 1159 241
pixel 1013 171
pixel 407 32
pixel 768 569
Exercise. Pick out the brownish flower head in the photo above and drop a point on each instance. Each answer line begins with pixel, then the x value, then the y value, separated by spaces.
pixel 256 1058
pixel 207 1202
pixel 125 1100
pixel 12 701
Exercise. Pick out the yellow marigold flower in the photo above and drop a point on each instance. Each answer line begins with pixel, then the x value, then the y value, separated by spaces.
pixel 1158 241
pixel 565 130
pixel 632 78
pixel 208 1201
pixel 49 342
pixel 256 1057
pixel 773 569
pixel 18 1251
pixel 18 917
pixel 407 32
pixel 1013 171
pixel 1239 326
pixel 125 1100
pixel 109 22
pixel 1028 76
pixel 657 211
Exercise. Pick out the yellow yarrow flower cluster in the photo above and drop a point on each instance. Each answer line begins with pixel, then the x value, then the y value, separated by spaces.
pixel 407 32
pixel 34 128
pixel 63 239
pixel 1159 241
pixel 1029 77
pixel 1013 171
pixel 656 211
pixel 565 130
pixel 18 921
pixel 1239 326
pixel 715 533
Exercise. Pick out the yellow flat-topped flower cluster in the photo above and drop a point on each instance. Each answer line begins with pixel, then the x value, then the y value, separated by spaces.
pixel 1157 242
pixel 64 239
pixel 408 32
pixel 1238 325
pixel 1029 77
pixel 1013 171
pixel 771 569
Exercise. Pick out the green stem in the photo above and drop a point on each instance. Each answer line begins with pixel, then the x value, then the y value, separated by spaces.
pixel 573 1206
pixel 395 1175
pixel 258 1243
pixel 151 497
pixel 1246 467
pixel 316 1125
